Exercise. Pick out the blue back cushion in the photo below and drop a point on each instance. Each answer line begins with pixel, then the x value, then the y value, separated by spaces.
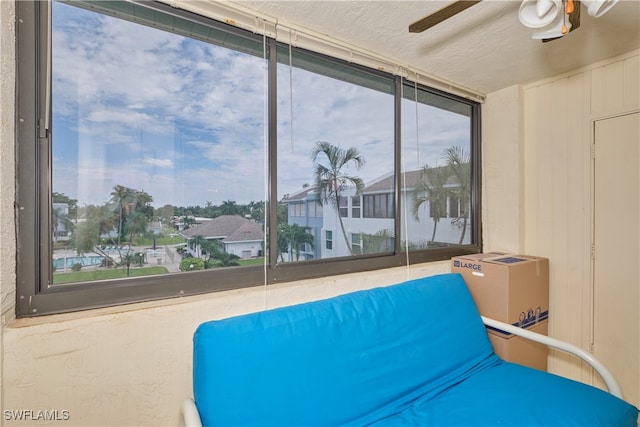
pixel 351 359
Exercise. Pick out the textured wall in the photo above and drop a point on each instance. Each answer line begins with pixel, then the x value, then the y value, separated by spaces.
pixel 134 367
pixel 7 174
pixel 7 156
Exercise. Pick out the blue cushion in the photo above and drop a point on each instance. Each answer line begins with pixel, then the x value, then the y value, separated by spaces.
pixel 512 395
pixel 416 353
pixel 353 359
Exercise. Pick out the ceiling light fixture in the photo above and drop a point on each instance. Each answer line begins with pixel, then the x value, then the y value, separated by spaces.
pixel 551 19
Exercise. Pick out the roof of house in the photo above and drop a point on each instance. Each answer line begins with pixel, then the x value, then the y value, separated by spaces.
pixel 409 181
pixel 382 184
pixel 300 195
pixel 229 228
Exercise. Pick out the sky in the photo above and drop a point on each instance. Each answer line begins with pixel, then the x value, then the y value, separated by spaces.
pixel 185 120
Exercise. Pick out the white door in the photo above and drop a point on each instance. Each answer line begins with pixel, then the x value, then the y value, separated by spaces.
pixel 616 287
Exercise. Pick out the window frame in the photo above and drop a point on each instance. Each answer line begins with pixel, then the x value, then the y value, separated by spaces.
pixel 328 240
pixel 35 293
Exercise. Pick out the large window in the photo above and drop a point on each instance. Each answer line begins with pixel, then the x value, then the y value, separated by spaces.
pixel 331 142
pixel 162 154
pixel 439 181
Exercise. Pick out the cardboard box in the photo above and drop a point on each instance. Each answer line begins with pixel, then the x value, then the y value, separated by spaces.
pixel 522 351
pixel 513 289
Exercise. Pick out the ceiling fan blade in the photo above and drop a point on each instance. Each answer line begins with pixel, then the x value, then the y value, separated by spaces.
pixel 574 20
pixel 441 15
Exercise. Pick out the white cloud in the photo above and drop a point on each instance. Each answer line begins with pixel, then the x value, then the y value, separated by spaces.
pixel 161 163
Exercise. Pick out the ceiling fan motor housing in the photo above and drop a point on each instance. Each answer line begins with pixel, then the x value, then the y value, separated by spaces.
pixel 539 13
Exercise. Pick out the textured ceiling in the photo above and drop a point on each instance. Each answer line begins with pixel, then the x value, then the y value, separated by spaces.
pixel 484 48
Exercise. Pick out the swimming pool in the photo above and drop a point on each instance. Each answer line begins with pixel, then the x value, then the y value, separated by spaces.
pixel 85 261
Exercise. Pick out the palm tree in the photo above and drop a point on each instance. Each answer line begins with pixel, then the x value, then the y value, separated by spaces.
pixel 199 242
pixel 431 187
pixel 121 196
pixel 293 236
pixel 224 259
pixel 459 164
pixel 213 249
pixel 331 177
pixel 136 225
pixel 283 243
pixel 142 203
pixel 229 207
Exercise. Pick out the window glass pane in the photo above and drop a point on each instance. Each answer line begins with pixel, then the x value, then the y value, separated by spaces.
pixel 436 147
pixel 335 141
pixel 355 206
pixel 157 146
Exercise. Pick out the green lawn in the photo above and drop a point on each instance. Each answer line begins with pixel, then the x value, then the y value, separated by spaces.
pixel 160 241
pixel 114 273
pixel 251 261
pixel 119 273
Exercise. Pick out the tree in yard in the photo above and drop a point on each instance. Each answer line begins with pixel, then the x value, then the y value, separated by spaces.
pixel 165 214
pixel 136 225
pixel 86 237
pixel 229 207
pixel 431 187
pixel 212 249
pixel 225 259
pixel 381 241
pixel 199 243
pixel 459 165
pixel 332 178
pixel 292 237
pixel 121 196
pixel 98 221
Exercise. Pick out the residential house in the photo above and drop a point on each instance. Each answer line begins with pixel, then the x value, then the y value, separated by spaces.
pixel 371 213
pixel 238 236
pixel 305 209
pixel 61 222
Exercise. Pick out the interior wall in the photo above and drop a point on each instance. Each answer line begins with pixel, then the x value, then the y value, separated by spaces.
pixel 502 183
pixel 558 134
pixel 7 174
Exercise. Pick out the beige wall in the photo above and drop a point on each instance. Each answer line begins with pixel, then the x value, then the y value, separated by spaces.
pixel 557 217
pixel 132 365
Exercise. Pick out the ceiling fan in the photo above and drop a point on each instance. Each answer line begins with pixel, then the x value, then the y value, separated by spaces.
pixel 551 19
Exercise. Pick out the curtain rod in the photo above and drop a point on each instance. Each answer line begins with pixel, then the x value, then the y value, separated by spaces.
pixel 242 17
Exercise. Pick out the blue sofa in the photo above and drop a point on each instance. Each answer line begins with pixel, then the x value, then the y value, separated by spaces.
pixel 416 353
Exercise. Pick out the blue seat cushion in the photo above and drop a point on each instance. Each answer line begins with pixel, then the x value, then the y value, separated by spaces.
pixel 416 353
pixel 352 359
pixel 512 395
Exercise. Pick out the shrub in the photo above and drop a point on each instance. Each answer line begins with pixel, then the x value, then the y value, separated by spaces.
pixel 76 267
pixel 191 264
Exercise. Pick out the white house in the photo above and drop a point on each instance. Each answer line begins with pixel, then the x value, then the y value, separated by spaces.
pixel 239 236
pixel 368 218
